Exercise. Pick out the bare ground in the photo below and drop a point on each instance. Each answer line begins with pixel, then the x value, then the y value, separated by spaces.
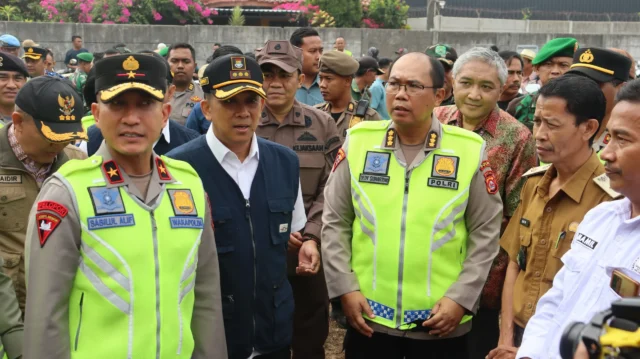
pixel 333 345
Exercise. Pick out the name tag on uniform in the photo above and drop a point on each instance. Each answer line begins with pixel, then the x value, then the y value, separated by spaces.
pixel 586 241
pixel 444 172
pixel 10 179
pixel 308 148
pixel 376 168
pixel 186 222
pixel 111 221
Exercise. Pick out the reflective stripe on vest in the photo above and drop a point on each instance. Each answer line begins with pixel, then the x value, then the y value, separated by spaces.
pixel 398 237
pixel 133 295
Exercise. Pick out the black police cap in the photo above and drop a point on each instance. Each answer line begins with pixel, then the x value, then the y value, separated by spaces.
pixel 55 106
pixel 232 74
pixel 34 53
pixel 601 65
pixel 121 73
pixel 9 62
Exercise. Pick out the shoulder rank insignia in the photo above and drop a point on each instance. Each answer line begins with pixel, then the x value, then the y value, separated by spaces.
pixel 307 121
pixel 112 172
pixel 191 86
pixel 195 99
pixel 163 171
pixel 390 138
pixel 536 170
pixel 350 108
pixel 354 121
pixel 432 139
pixel 603 182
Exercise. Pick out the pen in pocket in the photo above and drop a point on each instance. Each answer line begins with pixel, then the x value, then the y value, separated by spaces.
pixel 560 237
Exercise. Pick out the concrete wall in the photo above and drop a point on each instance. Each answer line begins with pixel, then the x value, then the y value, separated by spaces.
pixel 139 37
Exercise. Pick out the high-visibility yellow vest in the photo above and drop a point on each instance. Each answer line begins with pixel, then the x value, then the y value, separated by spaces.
pixel 133 294
pixel 409 235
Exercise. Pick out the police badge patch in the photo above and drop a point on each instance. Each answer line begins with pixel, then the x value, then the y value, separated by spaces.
pixel 106 200
pixel 376 167
pixel 182 202
pixel 444 172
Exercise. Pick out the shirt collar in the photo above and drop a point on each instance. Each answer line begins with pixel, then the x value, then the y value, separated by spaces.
pixel 576 185
pixel 295 117
pixel 392 142
pixel 166 132
pixel 220 151
pixel 114 176
pixel 490 124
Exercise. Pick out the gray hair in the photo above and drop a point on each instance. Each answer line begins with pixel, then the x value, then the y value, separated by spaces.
pixel 484 55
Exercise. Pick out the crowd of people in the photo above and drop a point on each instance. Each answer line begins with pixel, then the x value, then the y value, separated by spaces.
pixel 434 205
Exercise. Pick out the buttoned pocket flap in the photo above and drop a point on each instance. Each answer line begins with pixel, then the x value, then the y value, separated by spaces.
pixel 284 205
pixel 280 219
pixel 11 260
pixel 11 194
pixel 312 160
pixel 13 208
pixel 525 239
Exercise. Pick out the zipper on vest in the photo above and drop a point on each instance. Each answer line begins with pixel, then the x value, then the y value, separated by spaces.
pixel 79 322
pixel 255 260
pixel 403 231
pixel 154 232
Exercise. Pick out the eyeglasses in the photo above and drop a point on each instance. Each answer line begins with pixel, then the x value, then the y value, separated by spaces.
pixel 412 89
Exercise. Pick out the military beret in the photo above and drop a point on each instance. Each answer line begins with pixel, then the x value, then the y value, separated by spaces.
pixel 7 40
pixel 601 65
pixel 9 62
pixel 446 54
pixel 85 56
pixel 34 53
pixel 229 75
pixel 339 63
pixel 55 106
pixel 562 46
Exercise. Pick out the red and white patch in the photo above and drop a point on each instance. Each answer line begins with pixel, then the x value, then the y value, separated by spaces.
pixel 339 158
pixel 46 223
pixel 53 207
pixel 490 182
pixel 484 164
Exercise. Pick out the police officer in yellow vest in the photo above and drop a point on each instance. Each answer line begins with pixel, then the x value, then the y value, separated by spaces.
pixel 121 259
pixel 410 224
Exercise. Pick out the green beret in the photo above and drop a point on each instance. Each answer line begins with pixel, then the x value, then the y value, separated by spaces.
pixel 339 63
pixel 85 56
pixel 562 46
pixel 164 51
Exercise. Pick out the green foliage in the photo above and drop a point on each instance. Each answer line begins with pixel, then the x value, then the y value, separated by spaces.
pixel 236 19
pixel 10 12
pixel 27 10
pixel 388 14
pixel 347 13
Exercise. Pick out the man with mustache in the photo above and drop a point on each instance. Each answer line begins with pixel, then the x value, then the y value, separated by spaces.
pixel 511 88
pixel 182 60
pixel 13 75
pixel 553 60
pixel 479 76
pixel 313 135
pixel 411 224
pixel 257 202
pixel 603 263
pixel 553 201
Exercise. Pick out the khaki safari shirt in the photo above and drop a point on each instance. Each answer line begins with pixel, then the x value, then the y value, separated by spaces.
pixel 18 191
pixel 542 229
pixel 11 328
pixel 346 120
pixel 183 102
pixel 313 135
pixel 52 268
pixel 483 218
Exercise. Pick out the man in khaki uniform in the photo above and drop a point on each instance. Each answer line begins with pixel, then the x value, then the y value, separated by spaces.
pixel 31 149
pixel 182 60
pixel 553 201
pixel 61 263
pixel 13 75
pixel 11 328
pixel 413 139
pixel 313 135
pixel 337 70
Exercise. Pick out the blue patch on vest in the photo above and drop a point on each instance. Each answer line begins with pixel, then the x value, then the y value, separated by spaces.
pixel 381 310
pixel 112 221
pixel 186 222
pixel 377 163
pixel 413 315
pixel 106 200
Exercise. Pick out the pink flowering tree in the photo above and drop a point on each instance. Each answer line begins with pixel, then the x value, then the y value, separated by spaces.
pixel 299 9
pixel 128 11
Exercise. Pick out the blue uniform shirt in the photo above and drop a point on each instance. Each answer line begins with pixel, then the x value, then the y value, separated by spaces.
pixel 196 120
pixel 310 96
pixel 379 99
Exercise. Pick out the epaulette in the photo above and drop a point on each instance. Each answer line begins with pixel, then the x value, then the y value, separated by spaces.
pixel 603 182
pixel 536 170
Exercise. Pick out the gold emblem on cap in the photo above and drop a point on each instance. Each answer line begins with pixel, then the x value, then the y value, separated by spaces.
pixel 1 61
pixel 204 81
pixel 30 50
pixel 66 107
pixel 587 57
pixel 130 64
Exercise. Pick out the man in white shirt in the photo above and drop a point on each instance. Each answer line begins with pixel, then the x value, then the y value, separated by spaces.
pixel 605 241
pixel 254 187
